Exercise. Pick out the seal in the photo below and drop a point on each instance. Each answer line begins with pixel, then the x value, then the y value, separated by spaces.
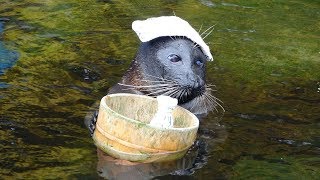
pixel 171 66
pixel 171 61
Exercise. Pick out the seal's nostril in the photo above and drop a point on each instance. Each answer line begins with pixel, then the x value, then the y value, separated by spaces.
pixel 199 82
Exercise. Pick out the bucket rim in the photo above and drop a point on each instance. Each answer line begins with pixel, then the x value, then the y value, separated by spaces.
pixel 104 105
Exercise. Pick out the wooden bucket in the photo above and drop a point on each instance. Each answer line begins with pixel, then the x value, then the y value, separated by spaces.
pixel 123 130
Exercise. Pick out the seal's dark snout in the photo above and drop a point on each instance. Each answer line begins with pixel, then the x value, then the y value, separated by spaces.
pixel 198 90
pixel 199 82
pixel 195 81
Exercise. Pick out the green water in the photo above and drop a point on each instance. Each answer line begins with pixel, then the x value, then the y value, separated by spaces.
pixel 266 69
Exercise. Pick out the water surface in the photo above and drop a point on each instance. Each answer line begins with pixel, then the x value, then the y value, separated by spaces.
pixel 57 58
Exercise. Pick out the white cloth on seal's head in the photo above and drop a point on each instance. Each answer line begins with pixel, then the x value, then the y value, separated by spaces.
pixel 168 26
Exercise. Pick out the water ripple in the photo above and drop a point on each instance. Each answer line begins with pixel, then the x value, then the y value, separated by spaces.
pixel 265 117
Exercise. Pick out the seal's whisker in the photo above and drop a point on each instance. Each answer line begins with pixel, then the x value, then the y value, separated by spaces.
pixel 210 89
pixel 209 103
pixel 173 93
pixel 194 104
pixel 155 89
pixel 170 92
pixel 214 99
pixel 160 91
pixel 145 80
pixel 181 94
pixel 207 30
pixel 200 28
pixel 147 86
pixel 184 91
pixel 217 99
pixel 137 88
pixel 211 98
pixel 208 34
pixel 165 93
pixel 176 93
pixel 210 85
pixel 213 106
pixel 188 92
pixel 160 86
pixel 161 83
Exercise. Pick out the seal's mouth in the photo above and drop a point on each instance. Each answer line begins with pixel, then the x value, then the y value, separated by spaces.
pixel 188 93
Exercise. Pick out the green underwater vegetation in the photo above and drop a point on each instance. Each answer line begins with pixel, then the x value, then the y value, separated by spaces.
pixel 66 54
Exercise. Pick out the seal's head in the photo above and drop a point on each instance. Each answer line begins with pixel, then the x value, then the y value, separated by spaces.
pixel 171 61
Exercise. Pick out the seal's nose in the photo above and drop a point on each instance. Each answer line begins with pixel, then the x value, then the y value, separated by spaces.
pixel 199 82
pixel 195 81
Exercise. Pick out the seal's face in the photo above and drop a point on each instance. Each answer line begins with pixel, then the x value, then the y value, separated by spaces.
pixel 180 64
pixel 183 63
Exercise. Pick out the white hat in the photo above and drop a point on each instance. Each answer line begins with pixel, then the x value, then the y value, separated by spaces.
pixel 168 26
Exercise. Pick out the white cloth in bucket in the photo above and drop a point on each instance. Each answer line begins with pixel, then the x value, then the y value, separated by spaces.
pixel 163 117
pixel 168 26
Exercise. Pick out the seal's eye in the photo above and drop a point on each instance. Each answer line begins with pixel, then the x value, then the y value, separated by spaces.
pixel 199 63
pixel 174 58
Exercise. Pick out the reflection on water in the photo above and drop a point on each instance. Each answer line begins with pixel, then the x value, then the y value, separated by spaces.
pixel 111 168
pixel 7 57
pixel 57 58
